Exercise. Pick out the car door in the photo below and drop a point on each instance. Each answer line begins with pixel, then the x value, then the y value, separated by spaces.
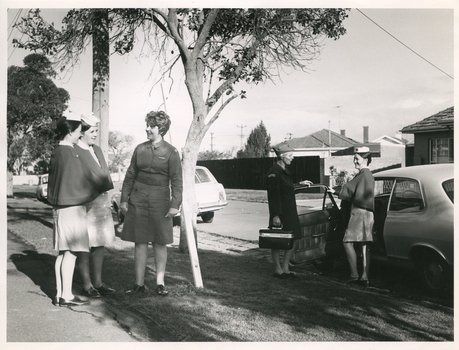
pixel 405 214
pixel 319 220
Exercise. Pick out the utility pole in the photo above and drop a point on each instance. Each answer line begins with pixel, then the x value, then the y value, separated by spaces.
pixel 211 141
pixel 339 117
pixel 241 135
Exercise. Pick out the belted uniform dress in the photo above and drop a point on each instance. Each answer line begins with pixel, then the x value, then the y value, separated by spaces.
pixel 153 184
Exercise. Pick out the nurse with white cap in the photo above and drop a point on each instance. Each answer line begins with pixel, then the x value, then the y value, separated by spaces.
pixel 101 230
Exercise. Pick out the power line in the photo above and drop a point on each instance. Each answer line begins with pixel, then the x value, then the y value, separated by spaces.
pixel 405 45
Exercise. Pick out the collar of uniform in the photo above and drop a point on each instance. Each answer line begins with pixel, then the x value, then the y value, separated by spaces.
pixel 65 143
pixel 156 145
pixel 282 169
pixel 83 145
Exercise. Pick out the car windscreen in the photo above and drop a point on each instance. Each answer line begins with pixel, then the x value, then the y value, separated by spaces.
pixel 448 186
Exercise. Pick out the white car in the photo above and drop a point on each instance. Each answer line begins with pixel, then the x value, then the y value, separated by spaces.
pixel 42 188
pixel 210 196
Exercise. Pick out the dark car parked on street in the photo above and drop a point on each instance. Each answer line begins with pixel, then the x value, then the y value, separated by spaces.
pixel 414 214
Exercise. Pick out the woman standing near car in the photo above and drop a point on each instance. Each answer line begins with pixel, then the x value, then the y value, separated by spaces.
pixel 151 196
pixel 282 206
pixel 101 230
pixel 359 192
pixel 68 193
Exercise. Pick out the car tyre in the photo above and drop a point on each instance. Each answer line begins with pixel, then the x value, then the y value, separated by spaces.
pixel 208 217
pixel 435 274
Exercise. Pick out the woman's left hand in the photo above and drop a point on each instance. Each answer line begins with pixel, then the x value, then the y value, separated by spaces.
pixel 172 212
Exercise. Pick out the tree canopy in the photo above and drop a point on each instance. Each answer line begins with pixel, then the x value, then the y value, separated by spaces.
pixel 34 102
pixel 258 143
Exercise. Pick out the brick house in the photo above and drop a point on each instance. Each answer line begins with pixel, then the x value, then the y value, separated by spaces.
pixel 433 139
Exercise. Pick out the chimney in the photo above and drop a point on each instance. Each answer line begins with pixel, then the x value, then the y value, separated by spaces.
pixel 365 134
pixel 343 132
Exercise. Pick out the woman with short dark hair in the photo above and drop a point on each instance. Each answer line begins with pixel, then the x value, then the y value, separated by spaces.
pixel 151 196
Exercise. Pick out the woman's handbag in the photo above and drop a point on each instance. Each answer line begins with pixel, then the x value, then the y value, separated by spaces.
pixel 275 238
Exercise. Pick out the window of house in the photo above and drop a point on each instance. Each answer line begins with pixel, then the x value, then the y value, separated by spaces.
pixel 441 151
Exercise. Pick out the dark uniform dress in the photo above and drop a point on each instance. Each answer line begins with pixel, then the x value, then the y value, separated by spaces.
pixel 281 199
pixel 152 185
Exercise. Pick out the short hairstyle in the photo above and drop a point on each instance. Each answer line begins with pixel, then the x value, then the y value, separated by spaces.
pixel 366 155
pixel 85 126
pixel 65 127
pixel 159 119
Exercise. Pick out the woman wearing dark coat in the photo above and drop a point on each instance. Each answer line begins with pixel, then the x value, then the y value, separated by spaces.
pixel 282 206
pixel 359 192
pixel 150 198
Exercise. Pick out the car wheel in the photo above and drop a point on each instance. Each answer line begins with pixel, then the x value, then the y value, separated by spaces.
pixel 324 264
pixel 435 274
pixel 208 217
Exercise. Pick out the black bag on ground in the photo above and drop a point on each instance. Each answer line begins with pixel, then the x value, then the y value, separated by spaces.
pixel 275 238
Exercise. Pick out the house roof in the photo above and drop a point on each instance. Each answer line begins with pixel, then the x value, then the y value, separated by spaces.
pixel 322 138
pixel 442 121
pixel 391 139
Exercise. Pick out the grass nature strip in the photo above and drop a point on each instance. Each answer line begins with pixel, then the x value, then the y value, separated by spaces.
pixel 242 302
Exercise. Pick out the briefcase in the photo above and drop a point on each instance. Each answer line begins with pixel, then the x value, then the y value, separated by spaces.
pixel 275 238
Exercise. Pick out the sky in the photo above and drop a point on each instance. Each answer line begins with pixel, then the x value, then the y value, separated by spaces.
pixel 393 67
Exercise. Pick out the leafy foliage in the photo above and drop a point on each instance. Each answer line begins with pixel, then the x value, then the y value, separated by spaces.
pixel 258 143
pixel 120 145
pixel 213 155
pixel 34 103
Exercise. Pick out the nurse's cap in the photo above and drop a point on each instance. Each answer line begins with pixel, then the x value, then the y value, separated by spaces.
pixel 282 148
pixel 362 150
pixel 90 119
pixel 69 115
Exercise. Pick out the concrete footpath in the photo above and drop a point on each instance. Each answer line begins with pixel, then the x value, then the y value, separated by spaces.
pixel 31 317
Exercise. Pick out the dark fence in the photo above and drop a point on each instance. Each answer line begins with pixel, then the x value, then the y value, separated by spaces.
pixel 250 173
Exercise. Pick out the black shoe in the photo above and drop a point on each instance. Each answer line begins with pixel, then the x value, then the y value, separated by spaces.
pixel 105 290
pixel 161 290
pixel 73 302
pixel 91 293
pixel 364 283
pixel 136 289
pixel 55 301
pixel 351 279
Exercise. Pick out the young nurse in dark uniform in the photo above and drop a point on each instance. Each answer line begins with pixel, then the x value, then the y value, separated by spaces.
pixel 282 206
pixel 68 193
pixel 101 230
pixel 150 198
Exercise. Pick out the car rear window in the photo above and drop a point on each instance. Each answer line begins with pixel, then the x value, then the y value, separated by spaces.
pixel 448 186
pixel 201 176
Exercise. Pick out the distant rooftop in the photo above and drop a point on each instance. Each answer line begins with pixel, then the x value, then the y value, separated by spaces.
pixel 441 121
pixel 322 138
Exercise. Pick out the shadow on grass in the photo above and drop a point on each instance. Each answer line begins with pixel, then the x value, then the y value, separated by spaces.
pixel 241 300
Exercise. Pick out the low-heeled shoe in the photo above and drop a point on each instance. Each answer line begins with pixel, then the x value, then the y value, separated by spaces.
pixel 91 293
pixel 76 301
pixel 289 276
pixel 105 290
pixel 55 301
pixel 161 290
pixel 136 289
